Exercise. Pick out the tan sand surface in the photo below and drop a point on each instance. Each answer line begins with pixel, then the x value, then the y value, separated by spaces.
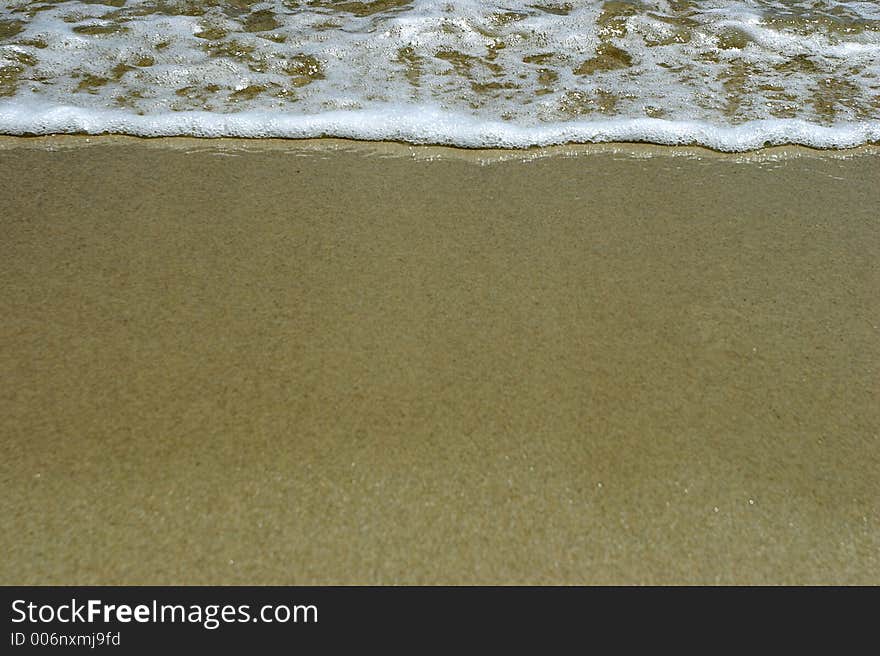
pixel 325 362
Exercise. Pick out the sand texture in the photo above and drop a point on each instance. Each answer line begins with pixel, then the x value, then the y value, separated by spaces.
pixel 224 362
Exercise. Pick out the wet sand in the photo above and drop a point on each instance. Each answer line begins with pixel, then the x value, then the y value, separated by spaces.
pixel 269 362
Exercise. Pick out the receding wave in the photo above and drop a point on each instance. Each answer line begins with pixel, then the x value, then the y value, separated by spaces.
pixel 728 74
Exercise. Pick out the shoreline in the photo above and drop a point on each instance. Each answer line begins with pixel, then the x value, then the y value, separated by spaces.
pixel 434 151
pixel 374 363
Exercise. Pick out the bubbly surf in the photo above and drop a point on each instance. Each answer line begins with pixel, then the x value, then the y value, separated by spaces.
pixel 732 75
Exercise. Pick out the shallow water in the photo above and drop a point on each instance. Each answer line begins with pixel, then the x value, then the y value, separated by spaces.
pixel 728 74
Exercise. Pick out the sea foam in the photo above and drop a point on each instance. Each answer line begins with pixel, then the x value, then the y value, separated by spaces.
pixel 732 75
pixel 424 125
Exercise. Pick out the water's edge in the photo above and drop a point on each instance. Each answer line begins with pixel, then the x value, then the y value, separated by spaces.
pixel 237 146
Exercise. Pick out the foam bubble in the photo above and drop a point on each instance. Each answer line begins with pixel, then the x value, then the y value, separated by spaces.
pixel 425 125
pixel 728 74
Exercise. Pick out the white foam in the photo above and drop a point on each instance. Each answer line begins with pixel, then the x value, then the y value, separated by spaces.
pixel 435 71
pixel 425 125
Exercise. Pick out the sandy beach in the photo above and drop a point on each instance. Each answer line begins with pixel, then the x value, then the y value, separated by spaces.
pixel 232 362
